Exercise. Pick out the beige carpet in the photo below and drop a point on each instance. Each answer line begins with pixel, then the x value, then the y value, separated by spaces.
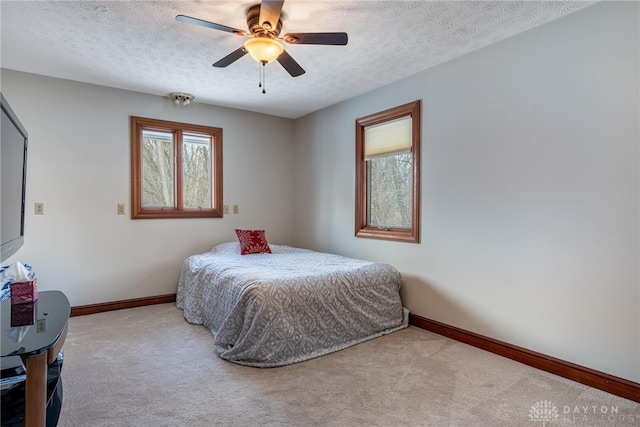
pixel 148 367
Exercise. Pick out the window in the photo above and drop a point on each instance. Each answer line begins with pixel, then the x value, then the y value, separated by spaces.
pixel 388 174
pixel 176 170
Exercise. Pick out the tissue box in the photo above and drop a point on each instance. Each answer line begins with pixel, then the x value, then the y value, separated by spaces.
pixel 24 314
pixel 22 292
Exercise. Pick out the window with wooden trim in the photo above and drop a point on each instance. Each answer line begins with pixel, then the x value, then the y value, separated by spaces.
pixel 388 174
pixel 176 170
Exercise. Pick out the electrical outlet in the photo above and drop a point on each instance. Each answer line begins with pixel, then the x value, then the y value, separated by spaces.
pixel 39 208
pixel 236 209
pixel 120 208
pixel 225 209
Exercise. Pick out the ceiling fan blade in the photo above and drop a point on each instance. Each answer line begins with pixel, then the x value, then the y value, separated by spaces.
pixel 231 58
pixel 336 39
pixel 290 64
pixel 202 23
pixel 270 12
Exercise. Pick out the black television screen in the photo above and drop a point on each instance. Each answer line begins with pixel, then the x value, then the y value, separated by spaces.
pixel 13 175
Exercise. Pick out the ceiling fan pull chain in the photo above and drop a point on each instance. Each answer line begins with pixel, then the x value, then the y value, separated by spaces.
pixel 262 77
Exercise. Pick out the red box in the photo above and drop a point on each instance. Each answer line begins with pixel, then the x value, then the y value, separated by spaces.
pixel 24 314
pixel 22 292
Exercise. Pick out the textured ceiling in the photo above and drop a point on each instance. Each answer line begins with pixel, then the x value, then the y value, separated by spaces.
pixel 139 46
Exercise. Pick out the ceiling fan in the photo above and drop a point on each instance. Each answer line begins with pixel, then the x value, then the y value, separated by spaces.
pixel 265 23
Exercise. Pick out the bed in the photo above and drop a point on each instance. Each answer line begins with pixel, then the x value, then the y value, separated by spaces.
pixel 290 305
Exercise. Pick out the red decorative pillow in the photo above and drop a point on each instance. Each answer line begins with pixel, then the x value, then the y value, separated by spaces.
pixel 252 242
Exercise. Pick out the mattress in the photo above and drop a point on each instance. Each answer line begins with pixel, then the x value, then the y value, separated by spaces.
pixel 268 310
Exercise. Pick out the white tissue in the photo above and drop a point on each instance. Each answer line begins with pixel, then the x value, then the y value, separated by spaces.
pixel 17 272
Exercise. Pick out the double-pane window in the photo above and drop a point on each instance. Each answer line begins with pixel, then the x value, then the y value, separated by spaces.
pixel 176 169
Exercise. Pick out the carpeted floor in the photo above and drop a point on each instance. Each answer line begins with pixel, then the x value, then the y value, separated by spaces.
pixel 148 367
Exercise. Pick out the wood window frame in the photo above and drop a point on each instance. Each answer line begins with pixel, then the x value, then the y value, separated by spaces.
pixel 138 124
pixel 362 229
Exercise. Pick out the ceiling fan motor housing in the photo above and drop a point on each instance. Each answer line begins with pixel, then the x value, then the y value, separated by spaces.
pixel 258 30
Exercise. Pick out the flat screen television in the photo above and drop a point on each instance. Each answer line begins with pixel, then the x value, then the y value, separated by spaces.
pixel 13 175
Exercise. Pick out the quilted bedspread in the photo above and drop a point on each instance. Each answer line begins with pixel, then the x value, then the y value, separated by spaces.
pixel 275 309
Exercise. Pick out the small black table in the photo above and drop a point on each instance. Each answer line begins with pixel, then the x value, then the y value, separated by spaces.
pixel 38 345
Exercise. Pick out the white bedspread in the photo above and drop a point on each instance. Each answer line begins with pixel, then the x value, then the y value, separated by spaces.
pixel 275 309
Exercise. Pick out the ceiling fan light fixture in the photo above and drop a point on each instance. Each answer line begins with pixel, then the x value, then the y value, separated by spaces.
pixel 263 49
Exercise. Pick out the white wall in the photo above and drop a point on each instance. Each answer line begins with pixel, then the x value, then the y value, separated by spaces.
pixel 79 163
pixel 530 192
